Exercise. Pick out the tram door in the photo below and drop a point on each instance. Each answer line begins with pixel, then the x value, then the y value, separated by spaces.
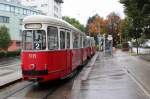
pixel 65 47
pixel 68 51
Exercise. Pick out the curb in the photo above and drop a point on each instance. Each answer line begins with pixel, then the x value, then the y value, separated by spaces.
pixel 90 66
pixel 78 81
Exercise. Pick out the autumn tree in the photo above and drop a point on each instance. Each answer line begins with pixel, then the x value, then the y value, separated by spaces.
pixel 74 22
pixel 95 25
pixel 113 26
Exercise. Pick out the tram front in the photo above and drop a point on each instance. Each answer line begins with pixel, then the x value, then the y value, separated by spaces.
pixel 34 55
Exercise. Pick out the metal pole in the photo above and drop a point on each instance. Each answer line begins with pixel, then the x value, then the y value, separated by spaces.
pixel 104 44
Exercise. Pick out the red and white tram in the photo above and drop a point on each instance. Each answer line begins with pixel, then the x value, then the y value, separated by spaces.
pixel 52 48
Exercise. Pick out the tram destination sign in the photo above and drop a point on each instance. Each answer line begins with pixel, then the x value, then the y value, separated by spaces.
pixel 33 26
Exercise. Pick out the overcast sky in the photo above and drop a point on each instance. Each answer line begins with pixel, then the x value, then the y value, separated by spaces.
pixel 82 9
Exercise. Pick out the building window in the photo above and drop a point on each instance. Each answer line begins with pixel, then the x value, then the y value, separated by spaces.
pixel 21 11
pixel 28 12
pixel 43 5
pixel 2 7
pixel 55 15
pixel 17 10
pixel 7 8
pixel 55 9
pixel 32 13
pixel 24 11
pixel 4 19
pixel 20 21
pixel 12 9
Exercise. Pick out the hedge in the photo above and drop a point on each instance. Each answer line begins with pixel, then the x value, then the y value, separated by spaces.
pixel 10 54
pixel 2 54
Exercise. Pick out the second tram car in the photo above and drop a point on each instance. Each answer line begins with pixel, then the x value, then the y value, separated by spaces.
pixel 52 48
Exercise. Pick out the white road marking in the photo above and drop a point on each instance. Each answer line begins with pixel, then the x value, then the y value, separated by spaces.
pixel 137 82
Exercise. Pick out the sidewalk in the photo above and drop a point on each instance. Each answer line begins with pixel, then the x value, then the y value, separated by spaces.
pixel 107 79
pixel 10 71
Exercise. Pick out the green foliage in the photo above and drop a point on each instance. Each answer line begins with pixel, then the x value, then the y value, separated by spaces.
pixel 13 53
pixel 10 54
pixel 142 39
pixel 139 13
pixel 74 22
pixel 4 37
pixel 124 30
pixel 2 54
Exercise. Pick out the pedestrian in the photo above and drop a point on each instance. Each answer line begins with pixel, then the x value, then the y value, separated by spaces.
pixel 130 46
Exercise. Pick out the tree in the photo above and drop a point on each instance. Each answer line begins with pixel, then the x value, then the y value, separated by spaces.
pixel 74 22
pixel 4 38
pixel 95 25
pixel 138 11
pixel 114 21
pixel 124 30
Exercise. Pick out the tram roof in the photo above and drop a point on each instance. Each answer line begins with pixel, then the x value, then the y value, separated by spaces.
pixel 49 20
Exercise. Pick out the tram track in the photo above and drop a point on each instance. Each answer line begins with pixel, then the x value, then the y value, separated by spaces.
pixel 40 91
pixel 16 91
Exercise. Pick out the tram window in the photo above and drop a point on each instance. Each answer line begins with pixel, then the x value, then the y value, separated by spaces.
pixel 85 42
pixel 62 40
pixel 75 40
pixel 52 38
pixel 68 39
pixel 27 39
pixel 39 40
pixel 34 40
pixel 81 38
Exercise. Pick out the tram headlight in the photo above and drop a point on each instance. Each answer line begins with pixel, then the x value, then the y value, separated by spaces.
pixel 32 66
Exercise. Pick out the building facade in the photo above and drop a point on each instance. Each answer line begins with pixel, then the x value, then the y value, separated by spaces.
pixel 48 7
pixel 11 15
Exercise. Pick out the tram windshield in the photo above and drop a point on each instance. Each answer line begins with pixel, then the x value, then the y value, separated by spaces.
pixel 34 40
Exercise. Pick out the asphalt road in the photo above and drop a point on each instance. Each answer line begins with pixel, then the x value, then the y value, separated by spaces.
pixel 139 68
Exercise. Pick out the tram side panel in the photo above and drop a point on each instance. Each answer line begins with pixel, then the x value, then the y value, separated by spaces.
pixel 88 52
pixel 84 54
pixel 76 58
pixel 57 64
